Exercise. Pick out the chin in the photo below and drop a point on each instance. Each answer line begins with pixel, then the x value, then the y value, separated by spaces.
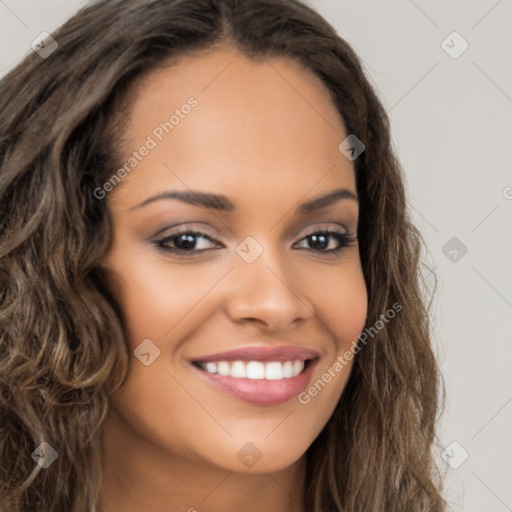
pixel 258 458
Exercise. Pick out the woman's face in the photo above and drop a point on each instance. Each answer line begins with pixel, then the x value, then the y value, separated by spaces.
pixel 235 308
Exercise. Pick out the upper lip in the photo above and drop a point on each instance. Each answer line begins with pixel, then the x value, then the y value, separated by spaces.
pixel 261 353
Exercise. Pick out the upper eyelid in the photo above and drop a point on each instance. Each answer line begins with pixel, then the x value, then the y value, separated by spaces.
pixel 197 232
pixel 183 229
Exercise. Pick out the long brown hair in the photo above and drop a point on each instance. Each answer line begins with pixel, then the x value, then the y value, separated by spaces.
pixel 62 334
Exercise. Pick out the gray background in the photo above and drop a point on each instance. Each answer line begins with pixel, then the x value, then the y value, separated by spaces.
pixel 452 128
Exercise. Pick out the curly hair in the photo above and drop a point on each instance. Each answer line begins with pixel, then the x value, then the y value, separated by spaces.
pixel 63 346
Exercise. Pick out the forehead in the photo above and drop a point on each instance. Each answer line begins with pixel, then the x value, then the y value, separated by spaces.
pixel 261 123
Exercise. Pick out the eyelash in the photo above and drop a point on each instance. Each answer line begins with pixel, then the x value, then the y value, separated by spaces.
pixel 344 240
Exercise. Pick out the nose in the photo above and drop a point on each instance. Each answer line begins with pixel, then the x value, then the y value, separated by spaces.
pixel 267 293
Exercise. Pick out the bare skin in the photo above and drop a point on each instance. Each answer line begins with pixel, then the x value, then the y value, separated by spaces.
pixel 266 136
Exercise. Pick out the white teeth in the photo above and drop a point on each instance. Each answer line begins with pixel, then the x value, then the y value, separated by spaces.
pixel 223 368
pixel 211 367
pixel 255 370
pixel 298 366
pixel 275 370
pixel 238 370
pixel 288 369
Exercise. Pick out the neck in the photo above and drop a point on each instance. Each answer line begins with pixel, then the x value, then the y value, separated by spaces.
pixel 144 477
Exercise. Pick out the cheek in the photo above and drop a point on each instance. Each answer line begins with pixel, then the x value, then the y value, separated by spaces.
pixel 160 300
pixel 352 309
pixel 341 305
pixel 340 300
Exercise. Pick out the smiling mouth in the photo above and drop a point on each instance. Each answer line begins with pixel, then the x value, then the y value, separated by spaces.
pixel 256 370
pixel 259 375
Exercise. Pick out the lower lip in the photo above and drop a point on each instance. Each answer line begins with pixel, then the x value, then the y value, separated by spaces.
pixel 261 391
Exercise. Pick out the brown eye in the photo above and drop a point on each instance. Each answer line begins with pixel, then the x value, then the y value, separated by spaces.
pixel 327 241
pixel 186 241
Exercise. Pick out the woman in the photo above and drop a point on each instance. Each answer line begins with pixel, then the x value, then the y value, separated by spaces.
pixel 209 281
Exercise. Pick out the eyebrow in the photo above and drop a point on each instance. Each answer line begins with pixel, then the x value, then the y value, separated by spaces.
pixel 222 204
